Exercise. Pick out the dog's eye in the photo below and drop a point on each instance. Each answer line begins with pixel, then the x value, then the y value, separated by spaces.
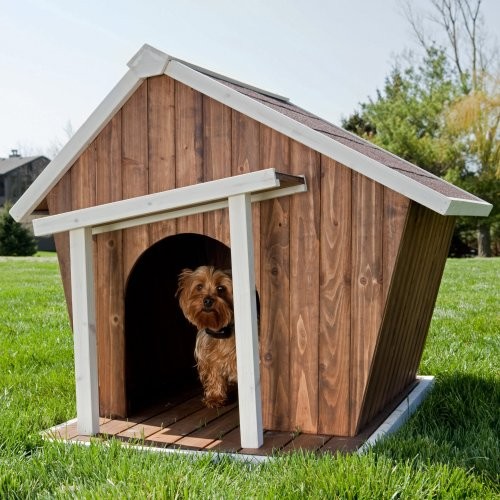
pixel 199 287
pixel 221 289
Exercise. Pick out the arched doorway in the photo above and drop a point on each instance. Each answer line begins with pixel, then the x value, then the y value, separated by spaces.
pixel 159 342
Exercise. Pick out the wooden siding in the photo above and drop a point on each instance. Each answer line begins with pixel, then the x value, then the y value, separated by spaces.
pixel 335 298
pixel 366 284
pixel 408 311
pixel 161 146
pixel 324 259
pixel 217 161
pixel 110 309
pixel 275 289
pixel 304 292
pixel 58 201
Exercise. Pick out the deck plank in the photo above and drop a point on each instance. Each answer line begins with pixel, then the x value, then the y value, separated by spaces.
pixel 212 432
pixel 273 441
pixel 306 442
pixel 172 433
pixel 118 425
pixel 231 443
pixel 156 423
pixel 341 444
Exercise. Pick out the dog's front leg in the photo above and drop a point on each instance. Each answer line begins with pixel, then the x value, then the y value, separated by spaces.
pixel 214 385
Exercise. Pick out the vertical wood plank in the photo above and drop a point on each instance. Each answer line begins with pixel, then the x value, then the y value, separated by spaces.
pixel 83 179
pixel 59 201
pixel 396 208
pixel 245 315
pixel 189 148
pixel 304 291
pixel 84 331
pixel 275 289
pixel 335 301
pixel 135 170
pixel 245 158
pixel 161 144
pixel 395 211
pixel 367 285
pixel 110 309
pixel 216 161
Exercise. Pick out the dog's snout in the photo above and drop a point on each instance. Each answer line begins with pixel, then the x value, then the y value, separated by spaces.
pixel 208 301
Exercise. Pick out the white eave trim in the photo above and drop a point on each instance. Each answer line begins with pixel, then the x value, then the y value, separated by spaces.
pixel 459 206
pixel 147 62
pixel 53 172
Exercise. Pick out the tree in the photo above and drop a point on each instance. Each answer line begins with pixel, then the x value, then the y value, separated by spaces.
pixel 474 117
pixel 15 239
pixel 406 117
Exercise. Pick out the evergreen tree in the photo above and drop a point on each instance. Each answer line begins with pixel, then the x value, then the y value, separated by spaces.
pixel 406 117
pixel 15 239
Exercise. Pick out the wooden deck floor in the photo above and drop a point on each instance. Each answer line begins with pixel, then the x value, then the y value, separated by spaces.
pixel 187 424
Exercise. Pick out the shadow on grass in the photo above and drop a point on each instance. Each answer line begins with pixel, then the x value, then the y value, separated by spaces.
pixel 458 425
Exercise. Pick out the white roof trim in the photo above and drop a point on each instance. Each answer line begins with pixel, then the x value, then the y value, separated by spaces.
pixel 151 62
pixel 147 62
pixel 49 177
pixel 471 208
pixel 231 80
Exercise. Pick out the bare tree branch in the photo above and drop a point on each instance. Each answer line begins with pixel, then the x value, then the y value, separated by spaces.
pixel 416 24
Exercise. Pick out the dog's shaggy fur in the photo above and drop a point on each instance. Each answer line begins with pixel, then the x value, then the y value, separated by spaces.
pixel 206 299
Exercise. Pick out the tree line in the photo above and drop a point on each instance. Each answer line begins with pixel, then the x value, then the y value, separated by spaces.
pixel 440 109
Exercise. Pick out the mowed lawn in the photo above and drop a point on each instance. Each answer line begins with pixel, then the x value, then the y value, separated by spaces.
pixel 448 449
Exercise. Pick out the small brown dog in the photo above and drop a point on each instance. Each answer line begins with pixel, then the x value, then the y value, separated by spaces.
pixel 206 299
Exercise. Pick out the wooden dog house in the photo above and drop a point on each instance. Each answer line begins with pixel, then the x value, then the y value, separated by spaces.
pixel 347 272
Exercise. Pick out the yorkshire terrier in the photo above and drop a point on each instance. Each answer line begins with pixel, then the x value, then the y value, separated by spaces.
pixel 206 299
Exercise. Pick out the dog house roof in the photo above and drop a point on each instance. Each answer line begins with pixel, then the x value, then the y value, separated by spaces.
pixel 272 110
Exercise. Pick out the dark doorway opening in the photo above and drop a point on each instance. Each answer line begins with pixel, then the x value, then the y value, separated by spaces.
pixel 159 341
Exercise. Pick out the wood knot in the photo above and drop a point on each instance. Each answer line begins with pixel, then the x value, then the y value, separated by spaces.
pixel 363 280
pixel 274 271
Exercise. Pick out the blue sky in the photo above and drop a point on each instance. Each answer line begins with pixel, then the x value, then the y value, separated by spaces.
pixel 60 58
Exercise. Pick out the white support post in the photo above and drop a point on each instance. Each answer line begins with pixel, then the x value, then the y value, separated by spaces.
pixel 84 331
pixel 245 316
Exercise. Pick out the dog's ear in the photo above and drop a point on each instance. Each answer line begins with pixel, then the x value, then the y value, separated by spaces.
pixel 229 272
pixel 184 275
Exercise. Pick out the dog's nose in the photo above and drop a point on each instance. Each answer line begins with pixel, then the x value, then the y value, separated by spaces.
pixel 208 301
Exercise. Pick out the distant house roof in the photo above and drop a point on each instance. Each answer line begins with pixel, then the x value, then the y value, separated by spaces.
pixel 9 164
pixel 274 111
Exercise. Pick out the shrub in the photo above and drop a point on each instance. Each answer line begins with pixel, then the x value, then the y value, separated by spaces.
pixel 15 239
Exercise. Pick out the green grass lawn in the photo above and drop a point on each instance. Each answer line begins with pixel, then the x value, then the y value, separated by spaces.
pixel 448 449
